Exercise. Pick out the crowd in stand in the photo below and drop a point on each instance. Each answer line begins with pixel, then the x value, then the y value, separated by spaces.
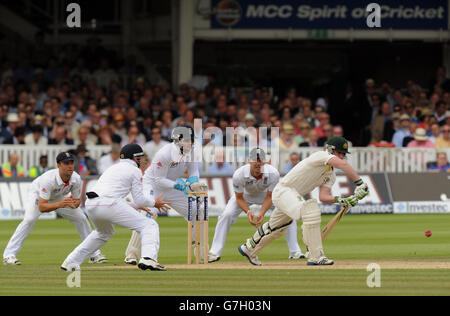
pixel 85 97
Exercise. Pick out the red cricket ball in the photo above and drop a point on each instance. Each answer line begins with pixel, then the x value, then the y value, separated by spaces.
pixel 428 233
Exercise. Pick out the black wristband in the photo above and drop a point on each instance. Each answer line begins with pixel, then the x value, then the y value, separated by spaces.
pixel 358 182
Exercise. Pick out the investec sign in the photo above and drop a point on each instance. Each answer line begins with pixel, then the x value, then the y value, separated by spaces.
pixel 327 14
pixel 13 196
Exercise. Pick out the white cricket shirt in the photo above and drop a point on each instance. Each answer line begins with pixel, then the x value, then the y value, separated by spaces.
pixel 310 173
pixel 51 187
pixel 168 165
pixel 121 179
pixel 255 190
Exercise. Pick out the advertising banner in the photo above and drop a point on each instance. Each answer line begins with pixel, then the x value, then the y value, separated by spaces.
pixel 327 14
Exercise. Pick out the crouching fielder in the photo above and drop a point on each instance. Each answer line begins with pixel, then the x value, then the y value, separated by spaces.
pixel 253 185
pixel 315 171
pixel 106 207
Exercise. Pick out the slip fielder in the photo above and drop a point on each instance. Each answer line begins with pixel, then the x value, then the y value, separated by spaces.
pixel 106 207
pixel 49 192
pixel 315 171
pixel 253 184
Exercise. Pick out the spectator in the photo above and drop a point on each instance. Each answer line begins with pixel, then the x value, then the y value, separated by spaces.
pixel 403 131
pixel 134 136
pixel 12 168
pixel 110 159
pixel 323 119
pixel 83 137
pixel 18 138
pixel 12 120
pixel 327 130
pixel 105 75
pixel 304 127
pixel 85 165
pixel 441 111
pixel 435 132
pixel 379 122
pixel 294 159
pixel 286 139
pixel 60 136
pixel 441 164
pixel 420 140
pixel 36 171
pixel 444 141
pixel 35 138
pixel 313 137
pixel 410 137
pixel 155 144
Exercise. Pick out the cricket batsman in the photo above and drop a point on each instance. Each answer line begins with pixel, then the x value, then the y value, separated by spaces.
pixel 315 171
pixel 165 176
pixel 253 184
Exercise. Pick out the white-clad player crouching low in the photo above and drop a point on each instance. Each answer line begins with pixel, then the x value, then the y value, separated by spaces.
pixel 106 207
pixel 253 184
pixel 170 164
pixel 315 171
pixel 49 192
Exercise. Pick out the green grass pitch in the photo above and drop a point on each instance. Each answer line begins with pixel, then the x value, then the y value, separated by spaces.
pixel 411 264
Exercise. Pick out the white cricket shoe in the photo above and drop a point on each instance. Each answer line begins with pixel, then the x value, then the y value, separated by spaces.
pixel 322 261
pixel 148 263
pixel 243 250
pixel 98 259
pixel 131 261
pixel 296 255
pixel 67 266
pixel 11 261
pixel 212 257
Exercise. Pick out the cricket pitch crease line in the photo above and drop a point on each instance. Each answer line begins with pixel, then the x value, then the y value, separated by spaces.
pixel 288 265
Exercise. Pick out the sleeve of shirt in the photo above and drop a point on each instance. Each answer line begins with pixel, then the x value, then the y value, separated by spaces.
pixel 140 197
pixel 160 168
pixel 45 190
pixel 238 183
pixel 275 178
pixel 76 189
pixel 324 158
pixel 193 169
pixel 330 183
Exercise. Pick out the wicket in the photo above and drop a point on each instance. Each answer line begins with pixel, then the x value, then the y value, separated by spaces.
pixel 197 196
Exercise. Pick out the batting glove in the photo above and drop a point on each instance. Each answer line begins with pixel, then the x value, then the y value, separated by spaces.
pixel 346 201
pixel 181 186
pixel 361 190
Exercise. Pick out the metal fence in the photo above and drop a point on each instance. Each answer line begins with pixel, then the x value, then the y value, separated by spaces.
pixel 363 159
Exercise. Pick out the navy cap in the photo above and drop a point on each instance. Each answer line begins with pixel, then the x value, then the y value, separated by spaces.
pixel 63 157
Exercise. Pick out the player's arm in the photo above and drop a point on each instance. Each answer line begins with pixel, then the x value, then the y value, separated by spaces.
pixel 267 203
pixel 325 195
pixel 160 169
pixel 242 203
pixel 45 206
pixel 142 198
pixel 361 189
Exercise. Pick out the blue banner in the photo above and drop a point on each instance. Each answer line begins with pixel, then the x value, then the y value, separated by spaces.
pixel 327 14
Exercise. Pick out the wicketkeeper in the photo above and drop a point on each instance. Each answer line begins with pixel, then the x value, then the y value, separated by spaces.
pixel 315 171
pixel 171 164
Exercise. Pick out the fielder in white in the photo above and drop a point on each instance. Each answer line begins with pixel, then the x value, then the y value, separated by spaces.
pixel 253 184
pixel 106 207
pixel 49 192
pixel 315 171
pixel 164 176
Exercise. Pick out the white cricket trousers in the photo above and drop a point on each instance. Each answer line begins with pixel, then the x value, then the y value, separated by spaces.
pixel 229 217
pixel 32 213
pixel 105 213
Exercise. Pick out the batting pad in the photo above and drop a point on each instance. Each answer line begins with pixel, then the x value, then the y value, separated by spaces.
pixel 311 217
pixel 134 246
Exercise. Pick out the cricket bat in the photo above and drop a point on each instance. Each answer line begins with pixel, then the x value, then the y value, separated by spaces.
pixel 327 229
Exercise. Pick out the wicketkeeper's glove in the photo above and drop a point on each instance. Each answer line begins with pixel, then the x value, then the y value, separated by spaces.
pixel 349 201
pixel 181 186
pixel 361 190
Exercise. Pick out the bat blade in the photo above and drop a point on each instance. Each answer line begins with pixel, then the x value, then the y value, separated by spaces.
pixel 327 229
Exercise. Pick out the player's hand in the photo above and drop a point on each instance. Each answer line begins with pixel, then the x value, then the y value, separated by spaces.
pixel 181 186
pixel 259 219
pixel 361 190
pixel 67 202
pixel 152 214
pixel 162 206
pixel 346 201
pixel 251 217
